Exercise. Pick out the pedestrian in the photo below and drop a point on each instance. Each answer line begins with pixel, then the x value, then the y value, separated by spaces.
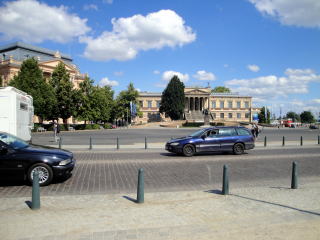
pixel 253 132
pixel 58 131
pixel 256 131
pixel 55 130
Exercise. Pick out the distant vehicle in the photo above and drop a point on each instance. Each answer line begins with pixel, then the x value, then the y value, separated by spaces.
pixel 287 123
pixel 18 159
pixel 16 112
pixel 313 127
pixel 220 139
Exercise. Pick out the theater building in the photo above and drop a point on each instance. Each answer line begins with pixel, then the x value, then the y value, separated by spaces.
pixel 221 106
pixel 12 56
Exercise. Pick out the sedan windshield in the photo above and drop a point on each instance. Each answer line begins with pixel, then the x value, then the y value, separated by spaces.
pixel 12 141
pixel 197 133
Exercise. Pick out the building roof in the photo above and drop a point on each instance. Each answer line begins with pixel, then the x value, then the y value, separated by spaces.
pixel 150 94
pixel 21 45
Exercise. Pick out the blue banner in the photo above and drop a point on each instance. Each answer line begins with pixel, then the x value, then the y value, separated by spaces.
pixel 133 109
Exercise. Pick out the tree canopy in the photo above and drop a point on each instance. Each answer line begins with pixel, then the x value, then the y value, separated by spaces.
pixel 307 117
pixel 294 116
pixel 221 89
pixel 31 81
pixel 173 99
pixel 264 117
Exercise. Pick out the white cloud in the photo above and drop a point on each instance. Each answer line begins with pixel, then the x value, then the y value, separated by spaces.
pixel 118 74
pixel 253 68
pixel 316 101
pixel 156 72
pixel 167 75
pixel 204 76
pixel 130 35
pixel 33 21
pixel 90 7
pixel 108 1
pixel 295 81
pixel 106 82
pixel 305 13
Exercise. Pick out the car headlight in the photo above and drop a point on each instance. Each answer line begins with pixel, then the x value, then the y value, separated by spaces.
pixel 65 162
pixel 175 144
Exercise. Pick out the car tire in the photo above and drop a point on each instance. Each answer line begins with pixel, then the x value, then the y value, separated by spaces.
pixel 188 150
pixel 45 173
pixel 238 149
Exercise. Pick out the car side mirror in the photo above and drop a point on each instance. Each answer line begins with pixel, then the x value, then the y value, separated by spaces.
pixel 3 150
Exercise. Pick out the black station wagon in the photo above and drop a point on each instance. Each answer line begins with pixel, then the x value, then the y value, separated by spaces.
pixel 214 139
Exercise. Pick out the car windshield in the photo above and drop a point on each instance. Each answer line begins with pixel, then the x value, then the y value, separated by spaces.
pixel 12 141
pixel 197 133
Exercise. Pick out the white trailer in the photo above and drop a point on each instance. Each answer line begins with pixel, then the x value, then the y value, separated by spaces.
pixel 16 112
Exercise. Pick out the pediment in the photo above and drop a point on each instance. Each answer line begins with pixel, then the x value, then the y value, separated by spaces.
pixel 196 92
pixel 54 63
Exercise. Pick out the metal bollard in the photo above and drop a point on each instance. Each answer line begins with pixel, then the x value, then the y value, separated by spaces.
pixel 283 141
pixel 90 144
pixel 265 141
pixel 145 143
pixel 225 181
pixel 140 188
pixel 35 203
pixel 294 177
pixel 118 145
pixel 60 142
pixel 318 139
pixel 301 141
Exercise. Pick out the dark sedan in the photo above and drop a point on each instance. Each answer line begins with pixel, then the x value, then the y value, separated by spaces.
pixel 18 159
pixel 220 139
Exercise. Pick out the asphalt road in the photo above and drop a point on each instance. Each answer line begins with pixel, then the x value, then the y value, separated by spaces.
pixel 159 135
pixel 116 171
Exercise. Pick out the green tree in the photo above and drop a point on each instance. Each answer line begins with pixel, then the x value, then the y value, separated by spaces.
pixel 294 116
pixel 30 80
pixel 221 89
pixel 101 104
pixel 65 94
pixel 307 117
pixel 173 99
pixel 1 81
pixel 263 117
pixel 122 105
pixel 84 95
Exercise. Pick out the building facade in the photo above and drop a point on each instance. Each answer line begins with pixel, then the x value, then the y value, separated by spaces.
pixel 221 106
pixel 12 56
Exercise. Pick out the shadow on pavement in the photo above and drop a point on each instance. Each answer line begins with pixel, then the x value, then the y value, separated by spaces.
pixel 130 199
pixel 216 191
pixel 276 204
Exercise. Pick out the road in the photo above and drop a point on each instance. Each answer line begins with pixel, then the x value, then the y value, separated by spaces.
pixel 100 172
pixel 159 135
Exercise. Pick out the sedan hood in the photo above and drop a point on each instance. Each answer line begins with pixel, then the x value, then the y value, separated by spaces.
pixel 46 150
pixel 179 139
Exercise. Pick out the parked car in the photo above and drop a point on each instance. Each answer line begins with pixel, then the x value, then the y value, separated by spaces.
pixel 313 127
pixel 19 159
pixel 220 139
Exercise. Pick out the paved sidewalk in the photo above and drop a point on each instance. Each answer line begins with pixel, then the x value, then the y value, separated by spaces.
pixel 250 213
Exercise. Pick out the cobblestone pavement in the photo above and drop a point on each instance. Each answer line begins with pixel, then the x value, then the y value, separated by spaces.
pixel 100 172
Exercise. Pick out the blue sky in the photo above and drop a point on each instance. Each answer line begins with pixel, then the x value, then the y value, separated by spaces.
pixel 268 49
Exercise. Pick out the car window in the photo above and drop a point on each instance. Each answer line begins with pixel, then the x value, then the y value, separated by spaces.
pixel 197 133
pixel 12 141
pixel 227 132
pixel 212 133
pixel 243 132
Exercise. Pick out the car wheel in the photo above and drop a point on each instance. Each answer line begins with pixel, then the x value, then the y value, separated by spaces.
pixel 45 173
pixel 238 149
pixel 188 150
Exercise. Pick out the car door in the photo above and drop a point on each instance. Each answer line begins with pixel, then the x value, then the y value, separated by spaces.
pixel 228 137
pixel 210 142
pixel 10 166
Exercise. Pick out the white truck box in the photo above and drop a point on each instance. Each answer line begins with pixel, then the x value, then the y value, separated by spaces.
pixel 16 112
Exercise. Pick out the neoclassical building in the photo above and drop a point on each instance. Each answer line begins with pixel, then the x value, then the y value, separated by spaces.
pixel 221 106
pixel 12 56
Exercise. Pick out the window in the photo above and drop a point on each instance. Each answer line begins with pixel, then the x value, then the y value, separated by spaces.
pixel 213 104
pixel 158 104
pixel 149 104
pixel 221 104
pixel 238 115
pixel 23 106
pixel 227 132
pixel 246 104
pixel 247 115
pixel 141 103
pixel 214 115
pixel 243 132
pixel 238 104
pixel 221 115
pixel 230 115
pixel 229 104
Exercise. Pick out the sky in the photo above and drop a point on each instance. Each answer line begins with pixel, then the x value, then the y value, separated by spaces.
pixel 267 49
